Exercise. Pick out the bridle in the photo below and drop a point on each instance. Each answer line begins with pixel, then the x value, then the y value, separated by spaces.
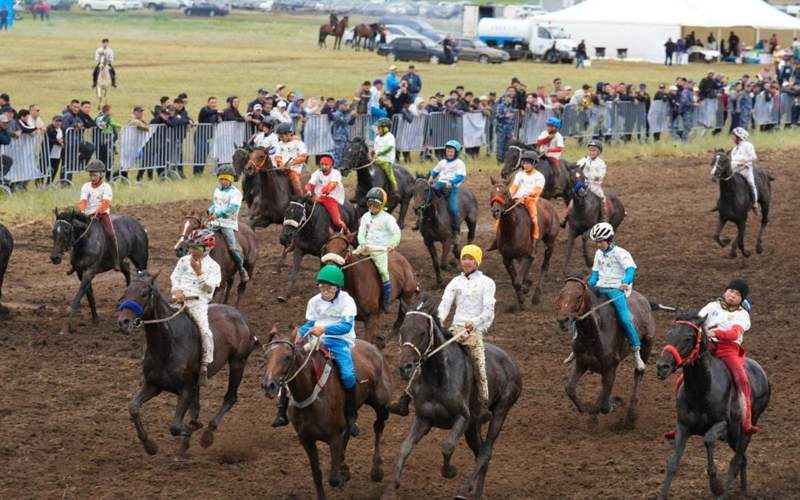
pixel 428 195
pixel 73 240
pixel 298 225
pixel 716 166
pixel 693 354
pixel 338 259
pixel 498 199
pixel 429 351
pixel 518 164
pixel 138 310
pixel 586 303
pixel 284 380
pixel 186 232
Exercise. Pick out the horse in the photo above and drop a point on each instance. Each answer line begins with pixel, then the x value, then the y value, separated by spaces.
pixel 266 191
pixel 222 255
pixel 356 157
pixel 307 227
pixel 735 200
pixel 325 30
pixel 363 283
pixel 366 34
pixel 319 413
pixel 6 247
pixel 445 394
pixel 515 239
pixel 91 253
pixel 338 33
pixel 599 343
pixel 557 182
pixel 172 357
pixel 707 401
pixel 434 217
pixel 103 83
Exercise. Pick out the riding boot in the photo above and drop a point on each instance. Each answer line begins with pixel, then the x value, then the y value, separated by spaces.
pixel 202 377
pixel 747 423
pixel 283 402
pixel 386 295
pixel 350 412
pixel 237 258
pixel 401 406
pixel 637 356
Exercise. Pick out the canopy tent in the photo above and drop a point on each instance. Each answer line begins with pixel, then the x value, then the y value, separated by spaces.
pixel 643 26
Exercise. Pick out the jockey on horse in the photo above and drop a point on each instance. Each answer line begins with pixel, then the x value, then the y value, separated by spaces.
pixel 290 156
pixel 594 171
pixel 551 142
pixel 384 153
pixel 325 186
pixel 743 155
pixel 448 174
pixel 526 188
pixel 223 215
pixel 104 53
pixel 96 196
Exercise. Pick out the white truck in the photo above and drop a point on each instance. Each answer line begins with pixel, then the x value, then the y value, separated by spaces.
pixel 527 39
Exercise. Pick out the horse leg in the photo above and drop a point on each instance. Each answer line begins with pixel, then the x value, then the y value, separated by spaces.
pixel 718 231
pixel 512 273
pixel 449 445
pixel 281 261
pixel 313 459
pixel 681 437
pixel 604 402
pixel 448 246
pixel 381 415
pixel 297 259
pixel 336 446
pixel 228 288
pixel 372 329
pixel 435 260
pixel 86 278
pixel 473 438
pixel 710 440
pixel 741 228
pixel 738 465
pixel 630 416
pixel 92 303
pixel 240 289
pixel 419 428
pixel 236 370
pixel 401 219
pixel 473 486
pixel 194 415
pixel 176 428
pixel 525 273
pixel 549 246
pixel 761 228
pixel 126 271
pixel 577 372
pixel 146 393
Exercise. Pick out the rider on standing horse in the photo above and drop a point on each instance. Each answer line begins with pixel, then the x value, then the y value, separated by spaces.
pixel 95 200
pixel 378 234
pixel 290 156
pixel 194 280
pixel 330 315
pixel 743 155
pixel 223 215
pixel 612 275
pixel 104 51
pixel 448 174
pixel 551 142
pixel 325 185
pixel 594 171
pixel 384 153
pixel 526 187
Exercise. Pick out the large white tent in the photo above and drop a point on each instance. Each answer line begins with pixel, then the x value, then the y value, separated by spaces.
pixel 643 26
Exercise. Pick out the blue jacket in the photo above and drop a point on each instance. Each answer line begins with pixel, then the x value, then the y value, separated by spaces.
pixel 686 101
pixel 340 126
pixel 392 83
pixel 501 118
pixel 414 83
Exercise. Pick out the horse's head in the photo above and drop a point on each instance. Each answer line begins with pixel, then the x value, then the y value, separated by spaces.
pixel 417 335
pixel 280 353
pixel 686 340
pixel 420 194
pixel 64 232
pixel 240 158
pixel 572 301
pixel 293 219
pixel 138 301
pixel 498 197
pixel 191 221
pixel 257 161
pixel 721 165
pixel 355 154
pixel 512 159
pixel 337 250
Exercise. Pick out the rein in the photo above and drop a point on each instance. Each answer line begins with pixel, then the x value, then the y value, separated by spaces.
pixel 320 383
pixel 304 220
pixel 693 354
pixel 586 301
pixel 503 201
pixel 137 309
pixel 72 228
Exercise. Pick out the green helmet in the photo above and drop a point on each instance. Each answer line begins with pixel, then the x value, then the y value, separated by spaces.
pixel 95 165
pixel 331 275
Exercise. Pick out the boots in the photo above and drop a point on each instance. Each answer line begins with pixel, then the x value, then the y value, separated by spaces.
pixel 747 425
pixel 202 377
pixel 283 402
pixel 401 406
pixel 640 366
pixel 350 413
pixel 386 295
pixel 237 258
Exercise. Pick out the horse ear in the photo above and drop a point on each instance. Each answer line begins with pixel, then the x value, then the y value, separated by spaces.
pixel 492 180
pixel 272 333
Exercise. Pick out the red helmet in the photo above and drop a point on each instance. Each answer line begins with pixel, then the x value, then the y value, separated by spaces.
pixel 203 237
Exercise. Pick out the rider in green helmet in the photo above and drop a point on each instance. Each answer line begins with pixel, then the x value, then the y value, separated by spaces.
pixel 384 152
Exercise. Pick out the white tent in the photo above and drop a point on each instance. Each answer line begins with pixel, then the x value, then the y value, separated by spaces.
pixel 643 26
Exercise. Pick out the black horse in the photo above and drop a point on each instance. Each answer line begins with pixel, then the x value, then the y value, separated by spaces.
pixel 6 247
pixel 707 401
pixel 356 157
pixel 172 358
pixel 557 182
pixel 445 395
pixel 736 199
pixel 91 252
pixel 307 227
pixel 434 216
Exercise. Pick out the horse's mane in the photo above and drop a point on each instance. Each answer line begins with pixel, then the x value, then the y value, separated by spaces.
pixel 357 140
pixel 688 315
pixel 73 215
pixel 431 307
pixel 518 143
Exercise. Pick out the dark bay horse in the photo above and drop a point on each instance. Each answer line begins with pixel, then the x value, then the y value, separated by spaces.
pixel 336 31
pixel 515 239
pixel 363 283
pixel 600 344
pixel 356 157
pixel 6 247
pixel 317 401
pixel 735 200
pixel 432 209
pixel 266 191
pixel 172 358
pixel 91 253
pixel 222 255
pixel 557 182
pixel 707 402
pixel 445 395
pixel 364 36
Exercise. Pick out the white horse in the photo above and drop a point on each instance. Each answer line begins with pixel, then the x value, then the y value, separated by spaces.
pixel 103 83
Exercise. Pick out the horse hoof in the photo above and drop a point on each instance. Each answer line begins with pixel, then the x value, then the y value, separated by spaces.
pixel 724 242
pixel 281 299
pixel 449 472
pixel 345 473
pixel 376 474
pixel 208 438
pixel 759 249
pixel 186 442
pixel 150 446
pixel 335 482
pixel 745 253
pixel 716 487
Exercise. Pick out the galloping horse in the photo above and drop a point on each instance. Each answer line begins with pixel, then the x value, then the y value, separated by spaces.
pixel 515 239
pixel 222 255
pixel 6 247
pixel 557 183
pixel 172 358
pixel 707 402
pixel 103 83
pixel 91 253
pixel 445 395
pixel 735 200
pixel 434 221
pixel 266 191
pixel 599 343
pixel 317 401
pixel 363 283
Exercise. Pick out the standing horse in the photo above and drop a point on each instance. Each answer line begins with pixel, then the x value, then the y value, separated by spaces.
pixel 707 402
pixel 91 252
pixel 6 247
pixel 356 157
pixel 317 401
pixel 172 358
pixel 599 343
pixel 445 394
pixel 432 209
pixel 735 200
pixel 557 182
pixel 365 34
pixel 515 239
pixel 338 33
pixel 222 255
pixel 103 83
pixel 363 283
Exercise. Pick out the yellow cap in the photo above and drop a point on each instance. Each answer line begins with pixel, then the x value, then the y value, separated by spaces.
pixel 473 251
pixel 225 177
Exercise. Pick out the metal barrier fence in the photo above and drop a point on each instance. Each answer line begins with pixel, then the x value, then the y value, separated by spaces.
pixel 30 156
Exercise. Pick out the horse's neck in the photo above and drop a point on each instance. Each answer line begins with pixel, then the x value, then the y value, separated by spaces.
pixel 159 335
pixel 434 369
pixel 302 385
pixel 316 228
pixel 697 376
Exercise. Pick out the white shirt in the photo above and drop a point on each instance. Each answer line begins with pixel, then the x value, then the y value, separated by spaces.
pixel 382 142
pixel 268 142
pixel 612 265
pixel 528 183
pixel 474 298
pixel 292 150
pixel 55 148
pixel 742 156
pixel 449 170
pixel 230 201
pixel 379 230
pixel 280 116
pixel 718 318
pixel 593 170
pixel 320 181
pixel 95 195
pixel 324 313
pixel 100 52
pixel 374 98
pixel 202 286
pixel 557 141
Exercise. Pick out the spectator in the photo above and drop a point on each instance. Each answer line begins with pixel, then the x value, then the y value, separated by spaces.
pixel 417 108
pixel 85 115
pixel 256 116
pixel 686 107
pixel 35 119
pixel 708 87
pixel 362 97
pixel 519 90
pixel 137 119
pixel 22 125
pixel 733 44
pixel 106 137
pixel 401 99
pixel 580 54
pixel 3 19
pixel 341 121
pixel 711 42
pixel 5 136
pixel 414 82
pixel 505 119
pixel 691 40
pixel 231 113
pixel 392 80
pixel 557 83
pixel 434 105
pixel 680 49
pixel 297 108
pixel 375 93
pixel 773 43
pixel 314 106
pixel 209 113
pixel 280 94
pixel 669 49
pixel 329 109
pixel 55 137
pixel 386 106
pixel 279 113
pixel 262 96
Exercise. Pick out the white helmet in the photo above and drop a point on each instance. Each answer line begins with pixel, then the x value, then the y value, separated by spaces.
pixel 741 133
pixel 601 231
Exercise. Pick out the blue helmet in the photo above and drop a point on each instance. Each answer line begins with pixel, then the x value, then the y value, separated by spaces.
pixel 553 121
pixel 452 143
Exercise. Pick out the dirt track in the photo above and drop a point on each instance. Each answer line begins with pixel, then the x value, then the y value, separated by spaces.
pixel 63 407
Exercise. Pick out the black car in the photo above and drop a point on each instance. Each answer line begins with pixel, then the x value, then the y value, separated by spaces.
pixel 412 49
pixel 210 9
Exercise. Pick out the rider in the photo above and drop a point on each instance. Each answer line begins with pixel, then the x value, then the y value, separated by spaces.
pixel 612 275
pixel 594 170
pixel 378 234
pixel 104 51
pixel 449 173
pixel 383 152
pixel 290 156
pixel 325 185
pixel 96 196
pixel 742 157
pixel 551 142
pixel 223 215
pixel 194 280
pixel 331 315
pixel 527 187
pixel 266 138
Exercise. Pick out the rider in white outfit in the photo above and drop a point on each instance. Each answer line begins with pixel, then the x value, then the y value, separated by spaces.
pixel 742 157
pixel 594 171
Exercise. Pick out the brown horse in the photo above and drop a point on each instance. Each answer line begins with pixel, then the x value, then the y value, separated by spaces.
pixel 319 414
pixel 365 34
pixel 599 343
pixel 515 239
pixel 363 283
pixel 222 255
pixel 336 31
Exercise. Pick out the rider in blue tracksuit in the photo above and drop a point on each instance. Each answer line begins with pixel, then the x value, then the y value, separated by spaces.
pixel 449 174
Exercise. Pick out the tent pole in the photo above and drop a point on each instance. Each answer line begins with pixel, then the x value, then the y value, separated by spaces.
pixel 719 41
pixel 758 36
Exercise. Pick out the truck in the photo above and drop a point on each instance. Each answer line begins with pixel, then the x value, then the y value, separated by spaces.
pixel 527 39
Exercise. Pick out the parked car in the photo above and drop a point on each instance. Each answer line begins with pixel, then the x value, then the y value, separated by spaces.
pixel 207 8
pixel 469 49
pixel 245 4
pixel 62 4
pixel 166 4
pixel 392 31
pixel 109 5
pixel 417 25
pixel 412 49
pixel 266 6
